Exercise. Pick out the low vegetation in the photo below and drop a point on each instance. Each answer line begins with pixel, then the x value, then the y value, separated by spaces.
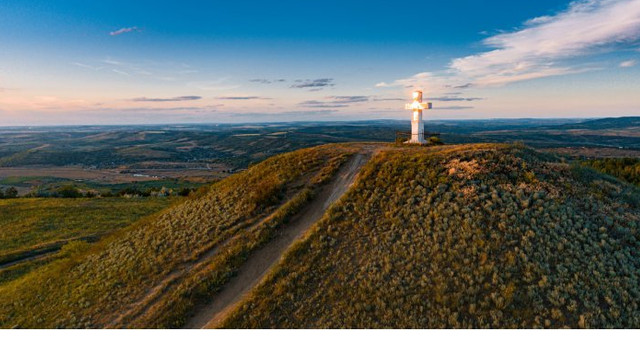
pixel 627 169
pixel 459 236
pixel 479 236
pixel 92 287
pixel 31 222
pixel 33 227
pixel 8 193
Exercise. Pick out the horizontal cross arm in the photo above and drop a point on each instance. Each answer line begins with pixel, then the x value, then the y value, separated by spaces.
pixel 414 106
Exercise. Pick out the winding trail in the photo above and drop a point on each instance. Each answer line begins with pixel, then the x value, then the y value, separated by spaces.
pixel 253 271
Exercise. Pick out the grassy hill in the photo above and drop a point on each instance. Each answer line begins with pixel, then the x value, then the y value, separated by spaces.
pixel 463 236
pixel 197 244
pixel 479 235
pixel 33 221
pixel 34 228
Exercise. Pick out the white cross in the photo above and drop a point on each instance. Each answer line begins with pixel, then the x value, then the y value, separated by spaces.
pixel 417 126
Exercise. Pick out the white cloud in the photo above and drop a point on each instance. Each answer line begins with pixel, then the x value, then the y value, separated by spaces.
pixel 123 31
pixel 120 72
pixel 628 63
pixel 86 66
pixel 542 46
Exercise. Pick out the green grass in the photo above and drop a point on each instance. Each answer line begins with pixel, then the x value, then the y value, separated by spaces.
pixel 91 287
pixel 480 236
pixel 30 222
pixel 45 186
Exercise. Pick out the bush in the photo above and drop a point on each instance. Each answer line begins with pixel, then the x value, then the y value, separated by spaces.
pixel 68 191
pixel 10 193
pixel 434 140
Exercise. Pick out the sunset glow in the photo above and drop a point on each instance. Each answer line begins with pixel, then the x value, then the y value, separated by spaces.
pixel 86 63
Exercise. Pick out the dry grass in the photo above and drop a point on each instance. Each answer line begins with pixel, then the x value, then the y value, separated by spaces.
pixel 92 286
pixel 518 242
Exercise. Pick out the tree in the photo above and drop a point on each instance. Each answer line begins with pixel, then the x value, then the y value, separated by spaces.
pixel 11 193
pixel 434 140
pixel 69 191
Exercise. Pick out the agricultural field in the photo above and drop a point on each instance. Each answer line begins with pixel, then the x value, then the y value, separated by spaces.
pixel 192 247
pixel 481 236
pixel 35 229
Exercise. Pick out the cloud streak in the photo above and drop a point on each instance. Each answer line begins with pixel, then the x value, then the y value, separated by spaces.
pixel 267 81
pixel 313 84
pixel 321 104
pixel 177 98
pixel 242 98
pixel 454 98
pixel 334 101
pixel 453 107
pixel 542 47
pixel 124 30
pixel 628 64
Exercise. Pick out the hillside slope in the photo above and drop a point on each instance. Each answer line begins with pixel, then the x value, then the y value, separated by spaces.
pixel 153 273
pixel 462 236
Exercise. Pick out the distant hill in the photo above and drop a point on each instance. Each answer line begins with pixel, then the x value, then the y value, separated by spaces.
pixel 480 235
pixel 606 123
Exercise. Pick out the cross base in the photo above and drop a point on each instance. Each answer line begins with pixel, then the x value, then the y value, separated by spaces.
pixel 416 141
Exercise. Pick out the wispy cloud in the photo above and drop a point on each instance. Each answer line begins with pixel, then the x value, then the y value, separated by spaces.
pixel 453 107
pixel 543 46
pixel 389 99
pixel 124 30
pixel 170 109
pixel 348 99
pixel 121 72
pixel 85 66
pixel 317 83
pixel 285 113
pixel 177 98
pixel 321 104
pixel 113 62
pixel 242 98
pixel 267 81
pixel 628 63
pixel 213 85
pixel 335 101
pixel 454 98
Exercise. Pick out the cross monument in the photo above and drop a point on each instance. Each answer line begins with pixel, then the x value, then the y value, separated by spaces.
pixel 417 126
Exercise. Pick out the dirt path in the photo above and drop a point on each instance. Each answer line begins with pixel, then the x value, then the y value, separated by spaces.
pixel 259 263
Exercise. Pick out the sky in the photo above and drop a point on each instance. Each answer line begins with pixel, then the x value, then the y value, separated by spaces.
pixel 131 62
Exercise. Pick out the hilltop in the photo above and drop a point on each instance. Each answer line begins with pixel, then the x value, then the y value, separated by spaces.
pixel 479 235
pixel 463 236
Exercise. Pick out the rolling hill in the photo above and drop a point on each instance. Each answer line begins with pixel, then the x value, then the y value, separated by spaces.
pixel 463 236
pixel 479 235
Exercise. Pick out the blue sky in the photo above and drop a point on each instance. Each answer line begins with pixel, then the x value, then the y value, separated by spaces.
pixel 101 62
